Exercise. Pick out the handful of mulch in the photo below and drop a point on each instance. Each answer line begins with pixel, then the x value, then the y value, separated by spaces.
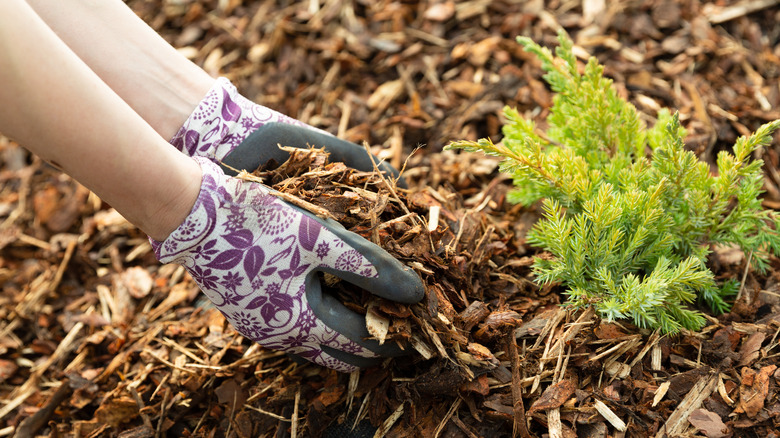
pixel 465 259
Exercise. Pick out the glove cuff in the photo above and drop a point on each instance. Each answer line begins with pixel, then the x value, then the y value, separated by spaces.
pixel 222 120
pixel 203 217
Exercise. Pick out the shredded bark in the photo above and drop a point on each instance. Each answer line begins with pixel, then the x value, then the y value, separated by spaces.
pixel 98 339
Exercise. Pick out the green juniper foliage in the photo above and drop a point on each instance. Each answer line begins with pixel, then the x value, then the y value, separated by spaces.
pixel 630 215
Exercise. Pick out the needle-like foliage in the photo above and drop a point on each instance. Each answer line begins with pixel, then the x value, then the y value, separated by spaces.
pixel 630 215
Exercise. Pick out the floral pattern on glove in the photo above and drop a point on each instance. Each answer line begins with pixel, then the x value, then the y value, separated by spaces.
pixel 251 254
pixel 222 120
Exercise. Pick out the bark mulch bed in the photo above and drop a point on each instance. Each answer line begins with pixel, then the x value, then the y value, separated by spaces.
pixel 98 339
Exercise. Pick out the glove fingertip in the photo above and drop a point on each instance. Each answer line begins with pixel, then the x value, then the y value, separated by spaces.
pixel 407 287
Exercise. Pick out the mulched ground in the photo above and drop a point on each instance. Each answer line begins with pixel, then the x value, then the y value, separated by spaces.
pixel 98 339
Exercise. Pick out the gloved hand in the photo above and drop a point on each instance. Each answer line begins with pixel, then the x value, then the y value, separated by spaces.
pixel 257 257
pixel 228 128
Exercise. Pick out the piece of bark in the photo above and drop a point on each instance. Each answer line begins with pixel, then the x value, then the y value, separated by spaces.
pixel 709 423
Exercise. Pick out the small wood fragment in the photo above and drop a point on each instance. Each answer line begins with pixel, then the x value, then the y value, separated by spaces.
pixel 447 417
pixel 433 218
pixel 724 394
pixel 554 426
pixel 610 416
pixel 376 324
pixel 718 15
pixel 519 426
pixel 660 392
pixel 294 430
pixel 33 423
pixel 389 422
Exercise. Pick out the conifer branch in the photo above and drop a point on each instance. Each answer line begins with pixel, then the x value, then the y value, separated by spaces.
pixel 629 234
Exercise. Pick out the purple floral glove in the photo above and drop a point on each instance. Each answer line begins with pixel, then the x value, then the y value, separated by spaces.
pixel 256 258
pixel 222 120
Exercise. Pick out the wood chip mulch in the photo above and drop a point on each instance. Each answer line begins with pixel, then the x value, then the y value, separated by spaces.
pixel 99 339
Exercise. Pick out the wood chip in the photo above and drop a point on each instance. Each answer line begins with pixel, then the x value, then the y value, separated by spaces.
pixel 389 422
pixel 660 393
pixel 610 416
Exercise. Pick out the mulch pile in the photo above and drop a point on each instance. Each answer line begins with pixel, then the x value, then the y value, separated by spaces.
pixel 99 339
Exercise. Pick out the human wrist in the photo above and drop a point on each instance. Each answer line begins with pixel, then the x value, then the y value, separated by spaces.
pixel 178 96
pixel 175 201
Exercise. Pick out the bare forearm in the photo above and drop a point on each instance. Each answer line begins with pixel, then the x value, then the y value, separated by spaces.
pixel 53 104
pixel 151 76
